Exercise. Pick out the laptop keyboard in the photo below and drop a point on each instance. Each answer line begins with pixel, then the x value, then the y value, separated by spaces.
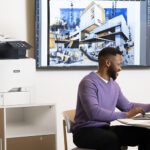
pixel 141 117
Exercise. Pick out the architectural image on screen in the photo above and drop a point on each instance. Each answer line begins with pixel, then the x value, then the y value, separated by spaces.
pixel 79 29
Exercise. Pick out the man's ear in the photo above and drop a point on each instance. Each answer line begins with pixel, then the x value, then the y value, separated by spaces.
pixel 108 63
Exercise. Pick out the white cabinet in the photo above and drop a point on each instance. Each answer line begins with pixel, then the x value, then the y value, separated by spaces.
pixel 28 127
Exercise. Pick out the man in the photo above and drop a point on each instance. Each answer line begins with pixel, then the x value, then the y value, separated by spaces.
pixel 98 96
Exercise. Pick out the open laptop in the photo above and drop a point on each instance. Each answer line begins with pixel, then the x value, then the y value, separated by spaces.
pixel 142 117
pixel 139 121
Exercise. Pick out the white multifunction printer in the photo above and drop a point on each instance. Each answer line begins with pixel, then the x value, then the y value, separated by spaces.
pixel 17 72
pixel 17 81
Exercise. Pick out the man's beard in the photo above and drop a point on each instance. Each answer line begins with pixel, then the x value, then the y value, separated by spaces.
pixel 112 73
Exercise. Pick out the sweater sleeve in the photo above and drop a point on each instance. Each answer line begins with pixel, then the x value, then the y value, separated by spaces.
pixel 123 103
pixel 89 101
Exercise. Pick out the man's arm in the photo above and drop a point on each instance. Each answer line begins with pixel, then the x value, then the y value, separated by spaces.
pixel 89 100
pixel 124 105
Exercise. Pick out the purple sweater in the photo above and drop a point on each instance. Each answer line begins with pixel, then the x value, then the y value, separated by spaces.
pixel 97 100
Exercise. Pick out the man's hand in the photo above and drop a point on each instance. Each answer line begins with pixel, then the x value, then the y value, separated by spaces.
pixel 134 111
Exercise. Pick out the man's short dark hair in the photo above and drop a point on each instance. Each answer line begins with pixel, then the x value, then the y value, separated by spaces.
pixel 108 51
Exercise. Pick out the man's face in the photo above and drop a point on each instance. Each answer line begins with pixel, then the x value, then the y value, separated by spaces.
pixel 114 66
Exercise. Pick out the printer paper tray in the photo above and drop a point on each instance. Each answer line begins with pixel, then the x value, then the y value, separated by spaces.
pixel 14 98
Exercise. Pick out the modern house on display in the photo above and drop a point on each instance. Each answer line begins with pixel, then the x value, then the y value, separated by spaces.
pixel 95 31
pixel 92 17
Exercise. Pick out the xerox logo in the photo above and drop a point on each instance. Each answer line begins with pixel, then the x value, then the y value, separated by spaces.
pixel 16 71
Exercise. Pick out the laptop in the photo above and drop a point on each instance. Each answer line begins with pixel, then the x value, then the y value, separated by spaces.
pixel 142 117
pixel 139 121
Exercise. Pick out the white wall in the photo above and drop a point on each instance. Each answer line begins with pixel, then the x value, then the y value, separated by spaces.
pixel 60 87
